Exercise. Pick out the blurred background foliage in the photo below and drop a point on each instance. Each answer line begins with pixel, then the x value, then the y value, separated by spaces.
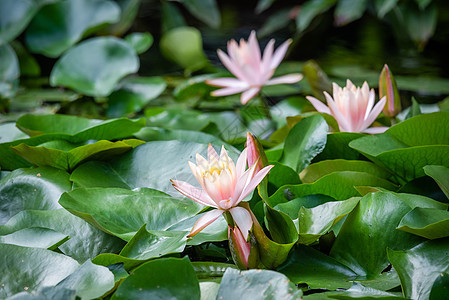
pixel 113 58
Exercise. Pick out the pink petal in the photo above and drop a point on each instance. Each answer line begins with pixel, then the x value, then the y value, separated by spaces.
pixel 254 51
pixel 196 194
pixel 319 106
pixel 254 182
pixel 267 55
pixel 253 153
pixel 291 78
pixel 231 66
pixel 335 111
pixel 279 54
pixel 375 112
pixel 249 94
pixel 227 82
pixel 373 130
pixel 228 91
pixel 212 190
pixel 243 220
pixel 244 247
pixel 211 153
pixel 205 220
pixel 369 107
pixel 241 163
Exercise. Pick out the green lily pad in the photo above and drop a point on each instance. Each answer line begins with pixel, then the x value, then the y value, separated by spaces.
pixel 9 71
pixel 30 268
pixel 368 230
pixel 35 238
pixel 38 188
pixel 317 170
pixel 85 240
pixel 46 292
pixel 410 145
pixel 440 288
pixel 430 223
pixel 60 25
pixel 304 141
pixel 145 245
pixel 133 94
pixel 441 175
pixel 419 267
pixel 338 185
pixel 122 212
pixel 256 284
pixel 69 160
pixel 95 66
pixel 317 221
pixel 337 146
pixel 292 207
pixel 89 281
pixel 159 134
pixel 159 279
pixel 140 41
pixel 15 16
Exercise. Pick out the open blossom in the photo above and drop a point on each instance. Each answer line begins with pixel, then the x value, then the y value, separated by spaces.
pixel 253 71
pixel 223 186
pixel 352 107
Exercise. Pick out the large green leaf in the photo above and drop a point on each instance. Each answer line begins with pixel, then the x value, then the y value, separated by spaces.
pixel 337 146
pixel 35 238
pixel 419 267
pixel 368 230
pixel 140 41
pixel 431 223
pixel 348 11
pixel 46 292
pixel 317 221
pixel 172 278
pixel 144 246
pixel 68 160
pixel 292 207
pixel 85 240
pixel 58 26
pixel 95 66
pixel 441 175
pixel 48 128
pixel 440 288
pixel 205 10
pixel 134 93
pixel 317 270
pixel 28 269
pixel 123 212
pixel 80 129
pixel 15 16
pixel 338 185
pixel 9 71
pixel 150 165
pixel 304 141
pixel 129 10
pixel 89 281
pixel 256 284
pixel 310 10
pixel 410 145
pixel 160 134
pixel 38 188
pixel 317 170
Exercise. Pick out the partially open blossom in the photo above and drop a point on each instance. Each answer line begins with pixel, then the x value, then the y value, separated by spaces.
pixel 239 246
pixel 389 89
pixel 253 71
pixel 254 153
pixel 352 107
pixel 223 186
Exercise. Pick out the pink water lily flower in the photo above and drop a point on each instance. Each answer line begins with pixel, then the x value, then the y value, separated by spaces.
pixel 352 107
pixel 253 71
pixel 224 186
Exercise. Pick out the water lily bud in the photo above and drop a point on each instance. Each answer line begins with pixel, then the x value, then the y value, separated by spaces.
pixel 255 152
pixel 245 254
pixel 389 89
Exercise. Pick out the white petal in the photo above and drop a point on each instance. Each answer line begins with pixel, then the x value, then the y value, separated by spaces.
pixel 205 220
pixel 228 91
pixel 279 54
pixel 291 78
pixel 243 220
pixel 375 112
pixel 249 94
pixel 241 163
pixel 319 106
pixel 196 194
pixel 227 82
pixel 254 182
pixel 373 130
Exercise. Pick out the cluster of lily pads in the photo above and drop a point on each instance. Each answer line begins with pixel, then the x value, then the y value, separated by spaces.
pixel 179 190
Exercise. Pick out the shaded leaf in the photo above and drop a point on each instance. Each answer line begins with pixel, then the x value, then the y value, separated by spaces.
pixel 140 41
pixel 431 223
